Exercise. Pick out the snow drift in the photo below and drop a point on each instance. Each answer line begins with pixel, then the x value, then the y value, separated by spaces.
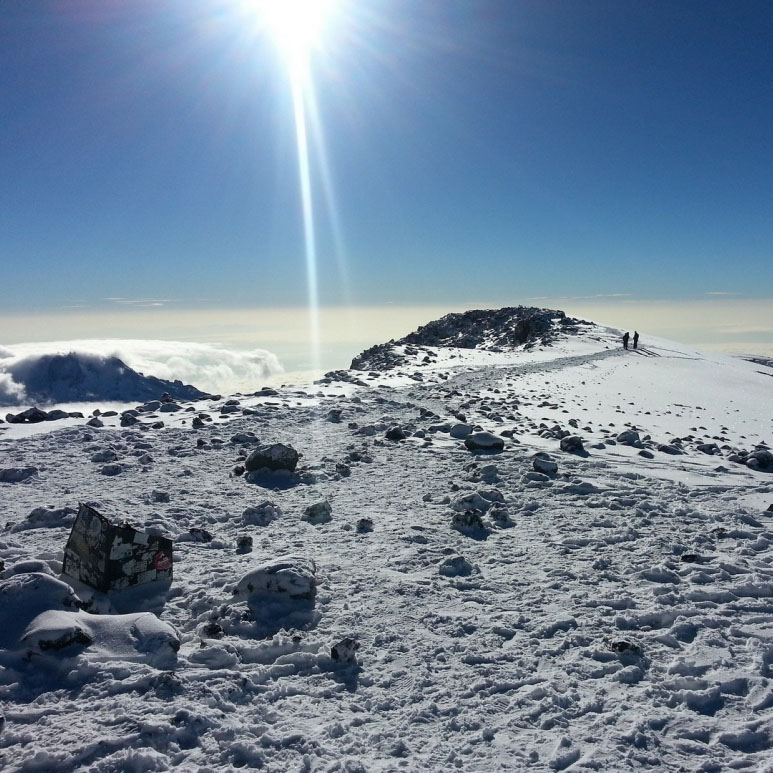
pixel 519 604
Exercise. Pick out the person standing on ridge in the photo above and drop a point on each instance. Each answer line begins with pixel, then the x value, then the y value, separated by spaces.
pixel 635 339
pixel 625 340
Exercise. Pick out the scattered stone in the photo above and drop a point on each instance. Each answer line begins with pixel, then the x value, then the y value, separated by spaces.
pixel 106 455
pixel 545 465
pixel 334 415
pixel 646 454
pixel 471 501
pixel 95 422
pixel 395 433
pixel 200 535
pixel 243 543
pixel 628 437
pixel 318 513
pixel 111 470
pixel 456 566
pixel 621 645
pixel 262 514
pixel 667 448
pixel 159 496
pixel 469 522
pixel 244 438
pixel 345 651
pixel 364 526
pixel 572 444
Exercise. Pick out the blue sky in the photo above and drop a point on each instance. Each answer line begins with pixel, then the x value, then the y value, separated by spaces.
pixel 478 150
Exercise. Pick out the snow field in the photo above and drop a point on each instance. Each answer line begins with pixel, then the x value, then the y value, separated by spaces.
pixel 612 615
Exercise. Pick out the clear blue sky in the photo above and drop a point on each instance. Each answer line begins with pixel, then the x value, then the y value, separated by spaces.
pixel 478 149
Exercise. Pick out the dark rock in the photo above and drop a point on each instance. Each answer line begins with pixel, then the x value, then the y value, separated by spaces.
pixel 345 651
pixel 318 513
pixel 17 474
pixel 395 433
pixel 629 437
pixel 199 534
pixel 364 525
pixel 572 444
pixel 484 441
pixel 272 457
pixel 244 543
pixel 545 465
pixel 493 330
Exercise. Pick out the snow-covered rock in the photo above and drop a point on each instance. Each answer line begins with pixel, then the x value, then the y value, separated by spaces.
pixel 262 514
pixel 291 577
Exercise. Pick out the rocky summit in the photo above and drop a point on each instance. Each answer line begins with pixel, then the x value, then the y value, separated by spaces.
pixel 489 329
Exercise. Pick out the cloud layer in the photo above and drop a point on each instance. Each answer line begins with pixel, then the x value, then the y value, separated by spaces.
pixel 210 368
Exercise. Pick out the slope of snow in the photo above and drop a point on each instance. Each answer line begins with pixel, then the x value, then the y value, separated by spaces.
pixel 616 614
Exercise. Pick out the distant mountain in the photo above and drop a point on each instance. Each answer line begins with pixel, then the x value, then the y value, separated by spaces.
pixel 79 377
pixel 490 329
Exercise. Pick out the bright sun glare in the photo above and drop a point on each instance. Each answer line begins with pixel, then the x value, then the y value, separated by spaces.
pixel 296 26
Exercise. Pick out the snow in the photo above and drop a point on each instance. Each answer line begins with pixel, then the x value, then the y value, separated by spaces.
pixel 609 611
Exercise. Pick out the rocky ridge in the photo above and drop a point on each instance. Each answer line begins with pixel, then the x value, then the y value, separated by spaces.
pixel 489 329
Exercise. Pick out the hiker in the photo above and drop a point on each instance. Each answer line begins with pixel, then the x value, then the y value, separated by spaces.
pixel 625 340
pixel 635 339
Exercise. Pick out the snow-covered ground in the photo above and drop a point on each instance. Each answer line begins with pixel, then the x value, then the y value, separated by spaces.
pixel 614 614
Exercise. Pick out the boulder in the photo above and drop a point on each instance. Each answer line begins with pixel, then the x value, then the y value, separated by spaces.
pixel 292 577
pixel 484 441
pixel 395 433
pixel 460 431
pixel 17 474
pixel 764 458
pixel 272 457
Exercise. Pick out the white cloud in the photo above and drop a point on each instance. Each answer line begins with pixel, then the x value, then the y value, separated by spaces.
pixel 208 367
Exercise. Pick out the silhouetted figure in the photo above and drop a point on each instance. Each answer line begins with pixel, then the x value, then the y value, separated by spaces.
pixel 625 340
pixel 635 339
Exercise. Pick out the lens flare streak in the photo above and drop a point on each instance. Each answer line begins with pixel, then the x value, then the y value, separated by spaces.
pixel 299 83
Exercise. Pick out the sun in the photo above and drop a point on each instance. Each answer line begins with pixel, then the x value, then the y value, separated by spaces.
pixel 296 26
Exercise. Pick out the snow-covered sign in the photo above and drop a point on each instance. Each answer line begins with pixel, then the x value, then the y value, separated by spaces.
pixel 109 556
